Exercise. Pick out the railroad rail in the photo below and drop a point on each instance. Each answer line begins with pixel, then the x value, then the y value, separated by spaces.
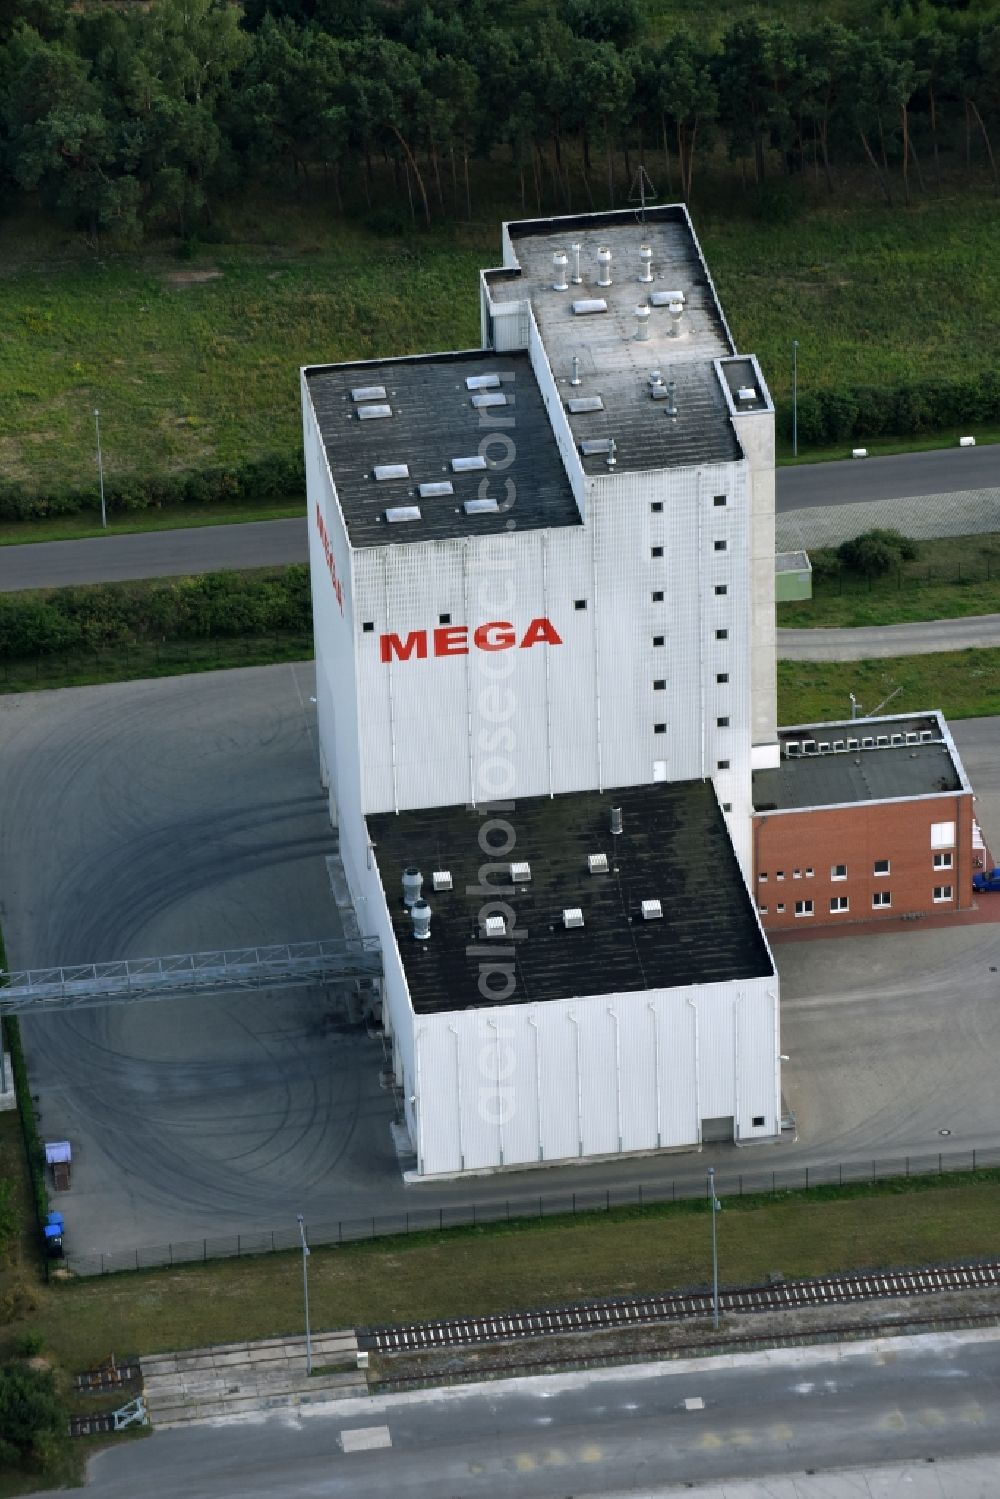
pixel 110 1375
pixel 644 1311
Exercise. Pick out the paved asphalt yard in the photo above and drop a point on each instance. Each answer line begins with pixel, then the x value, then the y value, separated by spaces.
pixel 183 814
pixel 911 1416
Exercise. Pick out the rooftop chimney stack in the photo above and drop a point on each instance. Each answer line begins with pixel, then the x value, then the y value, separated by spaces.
pixel 676 311
pixel 671 403
pixel 616 820
pixel 604 266
pixel 575 377
pixel 645 263
pixel 577 278
pixel 420 915
pixel 560 261
pixel 412 884
pixel 642 322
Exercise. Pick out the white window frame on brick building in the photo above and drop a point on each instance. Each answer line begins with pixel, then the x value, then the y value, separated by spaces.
pixel 881 899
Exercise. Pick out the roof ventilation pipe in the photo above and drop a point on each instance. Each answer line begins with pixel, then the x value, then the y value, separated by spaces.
pixel 616 820
pixel 671 403
pixel 420 915
pixel 604 266
pixel 577 277
pixel 611 460
pixel 560 261
pixel 575 377
pixel 412 884
pixel 645 263
pixel 657 386
pixel 642 323
pixel 676 311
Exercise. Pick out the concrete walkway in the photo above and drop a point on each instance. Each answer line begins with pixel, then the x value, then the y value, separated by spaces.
pixel 875 641
pixel 233 1379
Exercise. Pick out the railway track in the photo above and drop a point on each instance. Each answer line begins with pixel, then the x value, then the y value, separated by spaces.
pixel 644 1311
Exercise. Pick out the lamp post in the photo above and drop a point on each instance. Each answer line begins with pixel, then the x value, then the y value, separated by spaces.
pixel 795 398
pixel 100 468
pixel 305 1291
pixel 715 1206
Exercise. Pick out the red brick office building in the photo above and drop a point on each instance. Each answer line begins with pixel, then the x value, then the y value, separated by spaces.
pixel 864 820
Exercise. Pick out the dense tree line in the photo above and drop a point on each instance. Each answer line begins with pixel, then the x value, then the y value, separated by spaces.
pixel 122 116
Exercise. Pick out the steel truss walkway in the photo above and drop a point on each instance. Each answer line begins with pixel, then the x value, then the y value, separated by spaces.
pixel 225 971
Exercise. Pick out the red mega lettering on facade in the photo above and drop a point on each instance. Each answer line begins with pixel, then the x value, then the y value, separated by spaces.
pixel 453 640
pixel 331 560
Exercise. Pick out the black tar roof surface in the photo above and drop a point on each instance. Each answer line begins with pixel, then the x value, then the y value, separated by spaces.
pixel 674 848
pixel 862 775
pixel 434 421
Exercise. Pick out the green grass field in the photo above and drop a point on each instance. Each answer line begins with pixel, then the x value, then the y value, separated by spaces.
pixel 193 361
pixel 963 684
pixel 951 578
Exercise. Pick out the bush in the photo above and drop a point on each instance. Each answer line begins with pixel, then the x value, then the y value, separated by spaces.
pixel 33 1149
pixel 874 552
pixel 840 413
pixel 32 1418
pixel 273 477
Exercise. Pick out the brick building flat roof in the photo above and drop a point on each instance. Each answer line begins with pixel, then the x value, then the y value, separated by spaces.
pixel 674 848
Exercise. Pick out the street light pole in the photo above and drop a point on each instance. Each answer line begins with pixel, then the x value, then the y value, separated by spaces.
pixel 795 398
pixel 715 1206
pixel 305 1291
pixel 100 467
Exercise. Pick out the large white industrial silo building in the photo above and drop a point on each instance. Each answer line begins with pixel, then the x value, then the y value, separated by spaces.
pixel 544 616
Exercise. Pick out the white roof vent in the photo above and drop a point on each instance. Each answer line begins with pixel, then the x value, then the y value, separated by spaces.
pixel 520 872
pixel 746 393
pixel 420 915
pixel 467 465
pixel 560 262
pixel 373 413
pixel 481 507
pixel 442 880
pixel 482 382
pixel 587 306
pixel 494 926
pixel 572 916
pixel 412 884
pixel 402 512
pixel 652 910
pixel 646 262
pixel 489 398
pixel 597 863
pixel 391 471
pixel 604 266
pixel 435 491
pixel 368 393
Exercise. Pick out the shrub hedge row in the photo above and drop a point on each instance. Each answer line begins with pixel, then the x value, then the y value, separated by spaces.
pixel 263 481
pixel 105 614
pixel 841 413
pixel 33 1148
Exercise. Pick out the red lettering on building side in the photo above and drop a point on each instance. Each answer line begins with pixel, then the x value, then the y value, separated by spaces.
pixel 331 561
pixel 453 640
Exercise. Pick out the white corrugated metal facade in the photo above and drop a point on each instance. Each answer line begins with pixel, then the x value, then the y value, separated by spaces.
pixel 646 620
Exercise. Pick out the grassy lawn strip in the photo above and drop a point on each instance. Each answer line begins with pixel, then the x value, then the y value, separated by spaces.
pixel 522 1265
pixel 952 577
pixel 963 684
pixel 130 663
pixel 77 527
pixel 885 447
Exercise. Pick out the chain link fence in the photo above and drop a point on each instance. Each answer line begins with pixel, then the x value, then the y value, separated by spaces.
pixel 969 512
pixel 729 1182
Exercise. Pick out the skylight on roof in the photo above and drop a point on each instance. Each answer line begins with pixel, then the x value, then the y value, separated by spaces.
pixel 587 306
pixel 372 413
pixel 664 298
pixel 482 382
pixel 481 507
pixel 368 393
pixel 391 471
pixel 402 512
pixel 580 404
pixel 467 465
pixel 490 398
pixel 436 490
pixel 593 445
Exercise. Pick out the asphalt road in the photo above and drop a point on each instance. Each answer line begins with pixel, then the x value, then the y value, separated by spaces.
pixel 184 814
pixel 867 642
pixel 903 476
pixel 887 1409
pixel 154 554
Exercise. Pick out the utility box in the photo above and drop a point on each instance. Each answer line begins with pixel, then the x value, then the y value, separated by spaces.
pixel 792 577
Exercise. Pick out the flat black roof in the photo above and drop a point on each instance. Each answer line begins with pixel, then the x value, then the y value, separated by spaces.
pixel 892 758
pixel 433 421
pixel 675 848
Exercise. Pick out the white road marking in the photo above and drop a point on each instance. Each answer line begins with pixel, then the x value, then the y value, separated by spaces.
pixel 365 1438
